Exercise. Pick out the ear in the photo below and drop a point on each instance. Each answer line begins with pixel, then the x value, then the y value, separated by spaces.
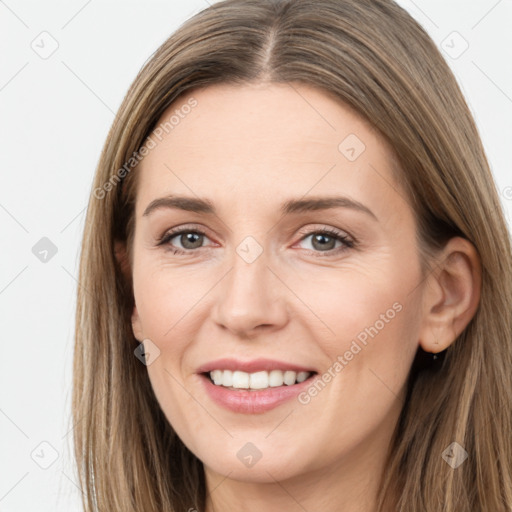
pixel 451 295
pixel 122 258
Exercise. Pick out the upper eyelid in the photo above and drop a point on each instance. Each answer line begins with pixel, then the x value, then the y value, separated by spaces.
pixel 181 229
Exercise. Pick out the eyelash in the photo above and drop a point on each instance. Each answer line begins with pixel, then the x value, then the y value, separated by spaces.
pixel 348 243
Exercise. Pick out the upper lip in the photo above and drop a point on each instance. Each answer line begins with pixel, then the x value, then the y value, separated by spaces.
pixel 252 366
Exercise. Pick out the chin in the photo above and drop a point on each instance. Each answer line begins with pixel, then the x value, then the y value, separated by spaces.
pixel 262 472
pixel 251 464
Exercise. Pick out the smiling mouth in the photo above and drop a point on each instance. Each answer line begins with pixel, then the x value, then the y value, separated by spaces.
pixel 257 381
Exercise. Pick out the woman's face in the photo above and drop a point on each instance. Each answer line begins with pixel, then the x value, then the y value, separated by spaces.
pixel 259 283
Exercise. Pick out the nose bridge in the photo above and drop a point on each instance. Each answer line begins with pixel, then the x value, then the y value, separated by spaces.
pixel 248 297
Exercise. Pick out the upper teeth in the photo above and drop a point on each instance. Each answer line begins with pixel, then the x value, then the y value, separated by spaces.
pixel 258 380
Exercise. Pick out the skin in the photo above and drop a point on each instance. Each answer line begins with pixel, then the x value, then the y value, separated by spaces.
pixel 248 149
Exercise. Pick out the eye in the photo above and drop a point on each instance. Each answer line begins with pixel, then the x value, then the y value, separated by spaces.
pixel 324 241
pixel 189 239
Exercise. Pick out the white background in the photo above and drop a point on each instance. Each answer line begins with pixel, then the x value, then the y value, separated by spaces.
pixel 54 117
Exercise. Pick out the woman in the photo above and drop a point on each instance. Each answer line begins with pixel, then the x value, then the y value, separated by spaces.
pixel 295 279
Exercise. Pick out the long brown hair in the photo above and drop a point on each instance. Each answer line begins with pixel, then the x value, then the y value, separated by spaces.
pixel 371 55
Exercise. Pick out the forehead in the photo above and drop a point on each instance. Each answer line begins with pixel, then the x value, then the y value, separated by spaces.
pixel 266 142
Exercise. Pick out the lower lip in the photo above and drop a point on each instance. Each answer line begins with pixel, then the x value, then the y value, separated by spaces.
pixel 253 402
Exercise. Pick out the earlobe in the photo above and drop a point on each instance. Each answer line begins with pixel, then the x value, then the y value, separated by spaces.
pixel 452 294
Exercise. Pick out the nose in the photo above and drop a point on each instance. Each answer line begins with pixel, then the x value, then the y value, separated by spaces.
pixel 250 298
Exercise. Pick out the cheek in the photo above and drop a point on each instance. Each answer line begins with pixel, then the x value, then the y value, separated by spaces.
pixel 369 324
pixel 379 349
pixel 166 297
pixel 342 303
pixel 168 302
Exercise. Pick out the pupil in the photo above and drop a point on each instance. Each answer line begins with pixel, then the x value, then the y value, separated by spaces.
pixel 320 237
pixel 189 237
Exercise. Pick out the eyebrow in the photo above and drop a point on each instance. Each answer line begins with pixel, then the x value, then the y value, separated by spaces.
pixel 199 205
